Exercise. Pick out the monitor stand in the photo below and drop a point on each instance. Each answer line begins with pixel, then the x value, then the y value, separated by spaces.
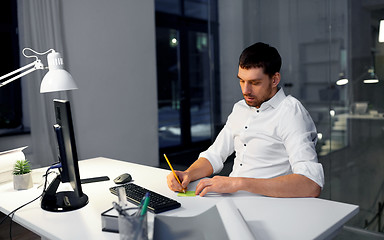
pixel 61 201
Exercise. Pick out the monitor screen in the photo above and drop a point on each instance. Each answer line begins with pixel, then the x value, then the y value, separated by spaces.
pixel 69 171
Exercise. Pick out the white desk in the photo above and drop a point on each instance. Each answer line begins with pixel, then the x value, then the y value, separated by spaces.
pixel 269 218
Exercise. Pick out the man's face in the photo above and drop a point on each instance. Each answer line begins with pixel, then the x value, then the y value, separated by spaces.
pixel 256 86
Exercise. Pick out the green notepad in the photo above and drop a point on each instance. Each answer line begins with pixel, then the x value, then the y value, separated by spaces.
pixel 187 194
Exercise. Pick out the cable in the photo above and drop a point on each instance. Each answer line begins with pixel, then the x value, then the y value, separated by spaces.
pixel 12 213
pixel 25 203
pixel 55 165
pixel 10 227
pixel 35 52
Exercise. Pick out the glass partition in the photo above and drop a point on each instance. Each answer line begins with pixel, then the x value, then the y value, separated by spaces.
pixel 321 43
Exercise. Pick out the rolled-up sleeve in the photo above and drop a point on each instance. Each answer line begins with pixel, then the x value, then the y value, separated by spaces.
pixel 219 151
pixel 311 170
pixel 300 137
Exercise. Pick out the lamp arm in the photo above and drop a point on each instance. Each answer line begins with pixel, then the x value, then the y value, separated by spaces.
pixel 35 65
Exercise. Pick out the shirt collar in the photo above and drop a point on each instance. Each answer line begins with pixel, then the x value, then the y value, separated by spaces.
pixel 275 100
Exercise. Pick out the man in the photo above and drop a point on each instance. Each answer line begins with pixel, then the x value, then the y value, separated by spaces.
pixel 272 134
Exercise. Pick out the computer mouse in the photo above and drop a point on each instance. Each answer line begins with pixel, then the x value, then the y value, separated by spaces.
pixel 123 178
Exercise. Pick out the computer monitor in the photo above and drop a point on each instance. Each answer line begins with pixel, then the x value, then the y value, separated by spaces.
pixel 69 171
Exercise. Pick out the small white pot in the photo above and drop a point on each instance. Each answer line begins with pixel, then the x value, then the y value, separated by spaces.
pixel 22 182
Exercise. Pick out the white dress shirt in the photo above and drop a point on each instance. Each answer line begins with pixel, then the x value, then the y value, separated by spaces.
pixel 276 139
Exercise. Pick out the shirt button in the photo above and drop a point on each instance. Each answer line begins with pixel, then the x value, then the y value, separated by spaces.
pixel 245 145
pixel 245 127
pixel 241 164
pixel 257 111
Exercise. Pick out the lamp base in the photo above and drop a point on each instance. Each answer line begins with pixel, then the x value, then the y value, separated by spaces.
pixel 61 201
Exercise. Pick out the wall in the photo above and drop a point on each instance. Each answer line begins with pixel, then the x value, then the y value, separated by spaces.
pixel 110 51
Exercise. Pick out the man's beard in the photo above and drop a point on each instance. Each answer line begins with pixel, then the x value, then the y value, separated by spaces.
pixel 254 103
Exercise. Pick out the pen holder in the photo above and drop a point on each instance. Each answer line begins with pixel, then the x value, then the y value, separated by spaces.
pixel 133 227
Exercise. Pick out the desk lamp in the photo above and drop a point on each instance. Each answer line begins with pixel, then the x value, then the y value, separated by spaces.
pixel 370 76
pixel 57 79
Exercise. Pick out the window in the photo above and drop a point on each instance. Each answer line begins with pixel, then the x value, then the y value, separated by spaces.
pixel 186 43
pixel 10 95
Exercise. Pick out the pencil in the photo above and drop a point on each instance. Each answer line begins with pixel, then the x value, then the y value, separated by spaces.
pixel 173 172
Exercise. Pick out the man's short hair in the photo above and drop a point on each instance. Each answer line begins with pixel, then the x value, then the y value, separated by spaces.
pixel 261 55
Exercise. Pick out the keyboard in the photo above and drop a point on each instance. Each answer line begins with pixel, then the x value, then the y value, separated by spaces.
pixel 157 203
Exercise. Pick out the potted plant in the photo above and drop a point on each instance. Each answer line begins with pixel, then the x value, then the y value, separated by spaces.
pixel 22 176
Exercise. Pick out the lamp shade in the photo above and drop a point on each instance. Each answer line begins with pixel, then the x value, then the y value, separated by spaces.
pixel 56 79
pixel 371 77
pixel 342 79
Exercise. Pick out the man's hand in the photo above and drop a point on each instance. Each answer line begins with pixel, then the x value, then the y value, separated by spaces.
pixel 217 184
pixel 292 185
pixel 199 169
pixel 174 185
